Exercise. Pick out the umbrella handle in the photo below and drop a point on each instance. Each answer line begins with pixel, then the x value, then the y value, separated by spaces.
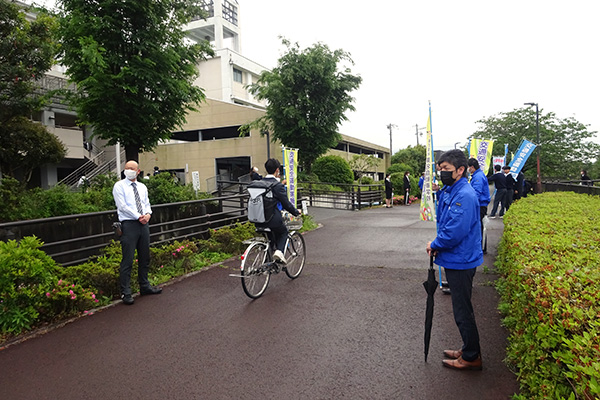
pixel 431 261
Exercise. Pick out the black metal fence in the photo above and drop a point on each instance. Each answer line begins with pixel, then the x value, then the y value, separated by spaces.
pixel 72 239
pixel 348 197
pixel 571 186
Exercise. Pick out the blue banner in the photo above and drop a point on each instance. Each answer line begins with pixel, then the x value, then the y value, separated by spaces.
pixel 521 156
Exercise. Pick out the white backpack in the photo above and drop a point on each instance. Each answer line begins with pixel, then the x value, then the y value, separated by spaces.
pixel 261 204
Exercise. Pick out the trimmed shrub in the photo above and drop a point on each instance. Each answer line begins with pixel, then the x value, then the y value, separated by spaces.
pixel 333 169
pixel 549 257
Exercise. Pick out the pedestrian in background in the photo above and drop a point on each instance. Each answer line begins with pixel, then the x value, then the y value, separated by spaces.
pixel 388 191
pixel 134 211
pixel 457 248
pixel 406 188
pixel 585 179
pixel 510 187
pixel 500 196
pixel 481 186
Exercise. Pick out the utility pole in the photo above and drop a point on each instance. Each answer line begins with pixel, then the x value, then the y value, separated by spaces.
pixel 390 127
pixel 417 129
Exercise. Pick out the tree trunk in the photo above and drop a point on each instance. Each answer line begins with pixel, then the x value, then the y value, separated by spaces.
pixel 132 152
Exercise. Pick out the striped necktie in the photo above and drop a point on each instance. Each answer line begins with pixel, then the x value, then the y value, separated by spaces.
pixel 138 202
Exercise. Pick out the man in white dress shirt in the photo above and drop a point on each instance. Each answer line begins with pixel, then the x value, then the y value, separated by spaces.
pixel 133 209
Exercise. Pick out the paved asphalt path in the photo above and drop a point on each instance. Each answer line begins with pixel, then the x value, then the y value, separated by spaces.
pixel 350 327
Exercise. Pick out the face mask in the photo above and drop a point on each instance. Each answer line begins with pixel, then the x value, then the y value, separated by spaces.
pixel 130 174
pixel 447 178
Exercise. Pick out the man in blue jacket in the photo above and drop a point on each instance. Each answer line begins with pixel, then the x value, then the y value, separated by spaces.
pixel 481 186
pixel 457 248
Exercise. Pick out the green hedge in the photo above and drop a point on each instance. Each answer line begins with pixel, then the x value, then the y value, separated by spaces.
pixel 34 290
pixel 549 258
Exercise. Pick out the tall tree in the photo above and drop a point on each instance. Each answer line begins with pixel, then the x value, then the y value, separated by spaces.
pixel 308 94
pixel 411 156
pixel 133 68
pixel 565 144
pixel 27 51
pixel 363 163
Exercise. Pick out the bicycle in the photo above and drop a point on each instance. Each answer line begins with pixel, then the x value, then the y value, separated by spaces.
pixel 258 264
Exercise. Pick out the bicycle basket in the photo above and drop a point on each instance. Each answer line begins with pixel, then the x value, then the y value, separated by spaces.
pixel 291 222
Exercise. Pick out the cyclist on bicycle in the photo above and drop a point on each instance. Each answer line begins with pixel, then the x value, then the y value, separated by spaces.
pixel 279 231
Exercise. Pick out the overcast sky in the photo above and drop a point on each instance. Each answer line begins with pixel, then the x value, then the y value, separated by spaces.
pixel 471 58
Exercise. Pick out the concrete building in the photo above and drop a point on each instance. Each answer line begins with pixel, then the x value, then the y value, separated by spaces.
pixel 209 142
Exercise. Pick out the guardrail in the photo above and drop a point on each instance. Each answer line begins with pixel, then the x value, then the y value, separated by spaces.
pixel 351 197
pixel 571 186
pixel 73 239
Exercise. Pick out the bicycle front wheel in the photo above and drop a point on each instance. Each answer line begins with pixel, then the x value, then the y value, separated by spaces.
pixel 255 276
pixel 295 254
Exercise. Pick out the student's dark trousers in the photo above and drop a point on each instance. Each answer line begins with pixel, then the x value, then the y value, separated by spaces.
pixel 460 282
pixel 136 236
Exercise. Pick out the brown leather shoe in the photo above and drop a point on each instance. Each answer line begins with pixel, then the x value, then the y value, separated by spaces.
pixel 453 354
pixel 461 364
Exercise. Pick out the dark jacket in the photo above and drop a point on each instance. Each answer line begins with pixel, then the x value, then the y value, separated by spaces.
pixel 510 182
pixel 406 183
pixel 499 180
pixel 279 193
pixel 458 239
pixel 388 188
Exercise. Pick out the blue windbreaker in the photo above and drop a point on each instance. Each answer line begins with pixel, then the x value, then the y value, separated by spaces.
pixel 458 240
pixel 482 188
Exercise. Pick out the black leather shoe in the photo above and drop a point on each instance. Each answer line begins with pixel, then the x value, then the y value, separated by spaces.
pixel 150 290
pixel 127 299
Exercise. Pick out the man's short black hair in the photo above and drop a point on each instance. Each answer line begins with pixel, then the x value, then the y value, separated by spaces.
pixel 497 167
pixel 506 167
pixel 271 165
pixel 473 163
pixel 455 157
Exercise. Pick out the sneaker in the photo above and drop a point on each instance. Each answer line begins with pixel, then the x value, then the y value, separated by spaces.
pixel 502 216
pixel 278 256
pixel 492 217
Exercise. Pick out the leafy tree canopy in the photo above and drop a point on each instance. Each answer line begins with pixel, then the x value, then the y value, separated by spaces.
pixel 27 50
pixel 411 156
pixel 133 69
pixel 27 145
pixel 362 163
pixel 333 169
pixel 308 94
pixel 565 143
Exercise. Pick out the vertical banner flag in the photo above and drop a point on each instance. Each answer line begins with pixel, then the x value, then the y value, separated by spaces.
pixel 499 161
pixel 427 204
pixel 521 156
pixel 481 150
pixel 505 153
pixel 291 164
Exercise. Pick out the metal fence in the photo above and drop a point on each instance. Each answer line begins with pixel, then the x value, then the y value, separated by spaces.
pixel 341 196
pixel 73 239
pixel 571 186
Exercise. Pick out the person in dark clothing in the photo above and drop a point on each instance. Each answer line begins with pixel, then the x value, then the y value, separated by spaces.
pixel 254 175
pixel 527 188
pixel 388 191
pixel 510 187
pixel 585 179
pixel 519 186
pixel 279 231
pixel 406 188
pixel 500 197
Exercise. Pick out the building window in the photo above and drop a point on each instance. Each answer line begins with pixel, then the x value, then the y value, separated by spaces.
pixel 230 12
pixel 237 75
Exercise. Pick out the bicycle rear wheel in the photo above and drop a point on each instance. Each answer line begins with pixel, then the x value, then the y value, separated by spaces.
pixel 255 275
pixel 295 254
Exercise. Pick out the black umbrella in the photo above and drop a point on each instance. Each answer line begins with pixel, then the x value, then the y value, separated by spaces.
pixel 430 286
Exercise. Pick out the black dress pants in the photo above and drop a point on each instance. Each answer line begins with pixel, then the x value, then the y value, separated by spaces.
pixel 460 282
pixel 136 236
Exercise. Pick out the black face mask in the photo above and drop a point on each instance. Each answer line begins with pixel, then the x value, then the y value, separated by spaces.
pixel 446 177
